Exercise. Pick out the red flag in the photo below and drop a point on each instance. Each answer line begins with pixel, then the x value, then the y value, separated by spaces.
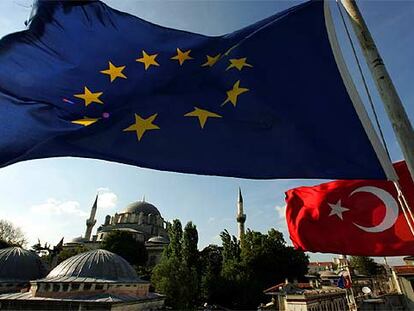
pixel 354 217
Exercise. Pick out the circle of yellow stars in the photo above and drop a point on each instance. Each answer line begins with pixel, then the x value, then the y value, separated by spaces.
pixel 141 125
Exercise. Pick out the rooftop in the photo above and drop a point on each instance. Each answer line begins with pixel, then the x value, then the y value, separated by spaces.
pixel 93 266
pixel 142 206
pixel 20 265
pixel 404 270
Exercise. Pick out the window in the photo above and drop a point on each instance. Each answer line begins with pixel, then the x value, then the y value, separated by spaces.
pixel 87 286
pixel 99 286
pixel 65 287
pixel 75 286
pixel 56 287
pixel 46 287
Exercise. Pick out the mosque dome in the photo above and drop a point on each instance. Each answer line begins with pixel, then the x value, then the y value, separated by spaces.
pixel 158 240
pixel 20 265
pixel 142 206
pixel 95 265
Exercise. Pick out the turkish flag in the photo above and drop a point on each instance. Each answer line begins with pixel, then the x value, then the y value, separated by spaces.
pixel 353 217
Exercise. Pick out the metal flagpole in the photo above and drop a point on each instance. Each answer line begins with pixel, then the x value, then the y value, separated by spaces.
pixel 392 102
pixel 32 13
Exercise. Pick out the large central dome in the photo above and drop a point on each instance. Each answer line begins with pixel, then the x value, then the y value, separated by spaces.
pixel 96 264
pixel 142 206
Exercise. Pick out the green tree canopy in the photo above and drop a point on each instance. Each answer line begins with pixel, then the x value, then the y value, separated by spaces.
pixel 233 275
pixel 69 252
pixel 125 245
pixel 176 275
pixel 365 265
pixel 257 262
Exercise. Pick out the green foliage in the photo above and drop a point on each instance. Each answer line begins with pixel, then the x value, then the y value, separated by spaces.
pixel 231 247
pixel 233 275
pixel 176 276
pixel 125 245
pixel 68 252
pixel 259 261
pixel 189 245
pixel 365 265
pixel 211 260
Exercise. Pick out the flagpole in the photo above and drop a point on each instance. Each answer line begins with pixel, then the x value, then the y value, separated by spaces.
pixel 32 13
pixel 392 102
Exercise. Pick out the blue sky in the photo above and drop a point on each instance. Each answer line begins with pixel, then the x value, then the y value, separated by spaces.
pixel 50 198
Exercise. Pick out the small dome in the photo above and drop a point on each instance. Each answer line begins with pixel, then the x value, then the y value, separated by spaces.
pixel 142 206
pixel 20 265
pixel 158 240
pixel 96 264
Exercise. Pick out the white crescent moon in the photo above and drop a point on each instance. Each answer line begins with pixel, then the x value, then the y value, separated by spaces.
pixel 391 209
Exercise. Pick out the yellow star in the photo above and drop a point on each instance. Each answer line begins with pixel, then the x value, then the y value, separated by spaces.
pixel 202 115
pixel 238 63
pixel 142 125
pixel 89 97
pixel 211 60
pixel 114 72
pixel 182 56
pixel 148 60
pixel 85 121
pixel 234 93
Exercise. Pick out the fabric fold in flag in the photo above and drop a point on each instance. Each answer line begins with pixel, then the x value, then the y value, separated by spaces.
pixel 266 101
pixel 352 217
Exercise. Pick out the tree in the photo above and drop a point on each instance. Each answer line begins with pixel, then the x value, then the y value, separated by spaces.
pixel 256 262
pixel 365 265
pixel 211 260
pixel 69 252
pixel 176 275
pixel 10 235
pixel 125 245
pixel 190 264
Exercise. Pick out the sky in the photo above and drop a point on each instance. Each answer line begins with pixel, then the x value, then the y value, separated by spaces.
pixel 51 198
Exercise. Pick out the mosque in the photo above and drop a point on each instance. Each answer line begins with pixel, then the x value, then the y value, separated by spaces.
pixel 141 219
pixel 144 222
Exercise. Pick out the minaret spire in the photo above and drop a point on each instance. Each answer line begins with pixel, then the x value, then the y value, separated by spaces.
pixel 91 221
pixel 241 217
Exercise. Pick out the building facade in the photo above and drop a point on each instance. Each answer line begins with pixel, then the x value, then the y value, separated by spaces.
pixel 141 219
pixel 94 280
pixel 304 297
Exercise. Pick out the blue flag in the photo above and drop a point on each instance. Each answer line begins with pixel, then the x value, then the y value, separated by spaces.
pixel 267 101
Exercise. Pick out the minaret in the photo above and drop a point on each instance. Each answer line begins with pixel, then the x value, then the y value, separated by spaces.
pixel 91 221
pixel 241 218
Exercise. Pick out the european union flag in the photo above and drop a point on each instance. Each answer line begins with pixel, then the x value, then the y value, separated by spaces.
pixel 267 101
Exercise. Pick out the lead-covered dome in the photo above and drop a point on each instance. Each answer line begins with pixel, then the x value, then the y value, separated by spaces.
pixel 142 206
pixel 95 265
pixel 20 265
